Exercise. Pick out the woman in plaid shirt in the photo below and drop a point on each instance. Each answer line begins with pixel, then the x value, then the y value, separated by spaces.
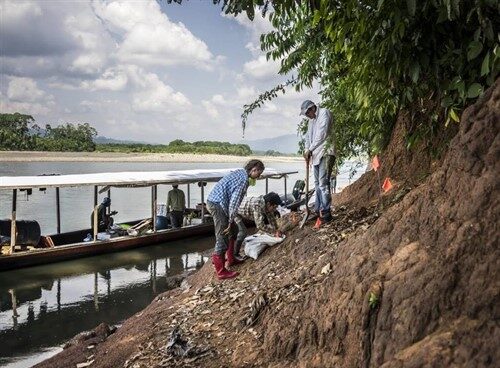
pixel 222 203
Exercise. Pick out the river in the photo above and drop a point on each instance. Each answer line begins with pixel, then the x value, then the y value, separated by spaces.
pixel 55 302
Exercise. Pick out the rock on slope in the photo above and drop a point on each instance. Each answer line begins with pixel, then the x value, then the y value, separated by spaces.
pixel 415 286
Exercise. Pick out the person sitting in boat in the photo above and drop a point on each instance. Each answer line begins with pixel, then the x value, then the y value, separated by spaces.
pixel 261 210
pixel 222 203
pixel 176 205
pixel 104 220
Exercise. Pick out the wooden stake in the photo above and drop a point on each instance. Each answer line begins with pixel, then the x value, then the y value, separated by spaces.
pixel 58 211
pixel 13 230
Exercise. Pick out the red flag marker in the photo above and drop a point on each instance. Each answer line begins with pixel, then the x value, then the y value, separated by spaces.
pixel 375 163
pixel 387 185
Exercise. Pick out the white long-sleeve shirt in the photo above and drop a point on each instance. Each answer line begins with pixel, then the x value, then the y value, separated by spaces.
pixel 318 131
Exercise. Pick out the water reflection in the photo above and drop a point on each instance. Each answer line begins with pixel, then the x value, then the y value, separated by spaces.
pixel 42 307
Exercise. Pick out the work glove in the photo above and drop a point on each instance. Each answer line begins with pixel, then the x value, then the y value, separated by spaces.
pixel 227 230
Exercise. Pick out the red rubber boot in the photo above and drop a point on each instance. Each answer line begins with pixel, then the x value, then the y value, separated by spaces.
pixel 221 271
pixel 231 258
pixel 317 225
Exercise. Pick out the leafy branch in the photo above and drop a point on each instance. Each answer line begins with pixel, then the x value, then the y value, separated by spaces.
pixel 259 101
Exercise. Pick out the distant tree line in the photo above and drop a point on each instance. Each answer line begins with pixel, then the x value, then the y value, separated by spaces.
pixel 180 146
pixel 19 132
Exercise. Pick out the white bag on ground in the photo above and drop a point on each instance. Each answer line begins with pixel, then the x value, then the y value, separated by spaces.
pixel 255 244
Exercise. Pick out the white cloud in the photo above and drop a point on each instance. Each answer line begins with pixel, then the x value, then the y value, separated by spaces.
pixel 24 96
pixel 258 26
pixel 219 100
pixel 210 109
pixel 24 89
pixel 246 92
pixel 15 11
pixel 90 63
pixel 24 108
pixel 154 95
pixel 150 38
pixel 261 68
pixel 113 79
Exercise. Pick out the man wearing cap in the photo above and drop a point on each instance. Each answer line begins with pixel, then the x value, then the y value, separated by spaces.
pixel 261 211
pixel 319 151
pixel 104 221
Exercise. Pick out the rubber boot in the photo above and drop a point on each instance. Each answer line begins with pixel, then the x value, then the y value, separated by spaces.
pixel 237 247
pixel 218 261
pixel 231 259
pixel 317 224
pixel 326 217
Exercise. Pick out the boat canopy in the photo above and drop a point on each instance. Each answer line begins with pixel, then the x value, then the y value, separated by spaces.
pixel 126 179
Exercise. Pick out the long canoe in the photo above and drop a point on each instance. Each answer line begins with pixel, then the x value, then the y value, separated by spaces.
pixel 65 246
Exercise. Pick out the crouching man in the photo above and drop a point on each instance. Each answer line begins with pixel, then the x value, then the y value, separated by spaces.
pixel 260 210
pixel 222 203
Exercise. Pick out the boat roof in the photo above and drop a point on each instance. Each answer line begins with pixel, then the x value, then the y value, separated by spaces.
pixel 130 179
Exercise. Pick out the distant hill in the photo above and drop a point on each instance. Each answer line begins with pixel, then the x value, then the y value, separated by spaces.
pixel 288 143
pixel 105 140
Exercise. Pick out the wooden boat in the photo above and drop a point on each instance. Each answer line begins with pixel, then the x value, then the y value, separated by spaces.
pixel 70 245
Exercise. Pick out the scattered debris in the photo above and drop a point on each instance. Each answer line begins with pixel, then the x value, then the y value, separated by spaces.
pixel 256 308
pixel 326 269
pixel 84 364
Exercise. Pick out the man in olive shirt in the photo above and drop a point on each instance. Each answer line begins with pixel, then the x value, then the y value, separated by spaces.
pixel 176 204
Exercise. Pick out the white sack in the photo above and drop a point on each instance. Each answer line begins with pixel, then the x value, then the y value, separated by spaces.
pixel 255 244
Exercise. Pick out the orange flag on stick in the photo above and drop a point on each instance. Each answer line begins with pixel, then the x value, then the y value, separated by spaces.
pixel 387 185
pixel 375 163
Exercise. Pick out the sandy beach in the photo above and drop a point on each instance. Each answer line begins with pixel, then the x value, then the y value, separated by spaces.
pixel 24 156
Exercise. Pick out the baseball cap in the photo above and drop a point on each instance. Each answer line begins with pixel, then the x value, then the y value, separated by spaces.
pixel 306 105
pixel 273 198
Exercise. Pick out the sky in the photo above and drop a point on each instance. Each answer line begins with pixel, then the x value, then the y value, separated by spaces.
pixel 141 70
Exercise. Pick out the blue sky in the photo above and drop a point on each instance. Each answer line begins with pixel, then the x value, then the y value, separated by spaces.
pixel 141 70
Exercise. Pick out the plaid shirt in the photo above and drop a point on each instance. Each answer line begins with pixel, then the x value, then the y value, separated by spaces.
pixel 229 192
pixel 254 208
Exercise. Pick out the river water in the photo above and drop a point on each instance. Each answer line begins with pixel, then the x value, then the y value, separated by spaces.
pixel 57 301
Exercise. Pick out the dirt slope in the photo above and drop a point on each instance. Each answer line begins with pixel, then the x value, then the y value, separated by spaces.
pixel 416 285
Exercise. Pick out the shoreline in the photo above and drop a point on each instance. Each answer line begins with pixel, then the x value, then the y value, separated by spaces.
pixel 45 156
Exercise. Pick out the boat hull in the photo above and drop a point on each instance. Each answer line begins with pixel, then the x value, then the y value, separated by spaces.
pixel 63 252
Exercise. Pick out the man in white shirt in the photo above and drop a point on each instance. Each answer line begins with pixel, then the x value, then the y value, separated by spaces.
pixel 319 151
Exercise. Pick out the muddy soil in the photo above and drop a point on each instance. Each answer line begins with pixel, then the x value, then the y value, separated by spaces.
pixel 414 282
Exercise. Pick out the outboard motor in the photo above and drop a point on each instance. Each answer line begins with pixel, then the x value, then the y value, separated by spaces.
pixel 28 231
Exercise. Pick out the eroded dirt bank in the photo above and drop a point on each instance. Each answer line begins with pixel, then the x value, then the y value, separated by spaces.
pixel 413 285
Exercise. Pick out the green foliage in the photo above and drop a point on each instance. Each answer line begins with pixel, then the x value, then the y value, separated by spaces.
pixel 18 132
pixel 272 153
pixel 373 300
pixel 68 137
pixel 376 58
pixel 180 146
pixel 15 132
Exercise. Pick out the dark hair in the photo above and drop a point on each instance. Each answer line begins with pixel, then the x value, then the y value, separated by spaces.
pixel 273 198
pixel 254 163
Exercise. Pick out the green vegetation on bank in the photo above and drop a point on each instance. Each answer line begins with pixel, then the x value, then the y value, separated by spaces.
pixel 18 132
pixel 179 146
pixel 375 59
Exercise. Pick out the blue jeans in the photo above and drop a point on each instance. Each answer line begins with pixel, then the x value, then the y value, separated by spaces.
pixel 221 222
pixel 322 173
